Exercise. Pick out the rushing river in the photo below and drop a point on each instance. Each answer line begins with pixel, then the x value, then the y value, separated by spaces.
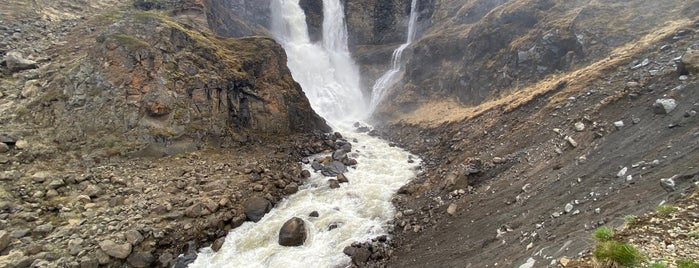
pixel 361 208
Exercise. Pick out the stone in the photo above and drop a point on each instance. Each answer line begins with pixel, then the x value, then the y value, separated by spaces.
pixel 291 188
pixel 571 141
pixel 314 214
pixel 15 258
pixel 56 183
pixel 10 175
pixel 116 250
pixel 333 168
pixel 564 261
pixel 44 228
pixel 619 124
pixel 622 172
pixel 305 174
pixel 22 145
pixel 134 237
pixel 4 148
pixel 292 233
pixel 92 190
pixel 360 256
pixel 198 209
pixel 255 208
pixel 498 160
pixel 41 176
pixel 669 184
pixel 568 208
pixel 333 183
pixel 664 106
pixel 5 239
pixel 140 259
pixel 16 62
pixel 690 60
pixel 216 246
pixel 341 178
pixel 451 210
pixel 339 155
pixel 75 246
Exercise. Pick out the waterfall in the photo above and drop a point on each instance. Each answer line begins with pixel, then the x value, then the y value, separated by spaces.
pixel 390 77
pixel 360 209
pixel 325 70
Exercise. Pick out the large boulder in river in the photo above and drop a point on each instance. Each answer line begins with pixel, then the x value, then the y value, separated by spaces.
pixel 292 233
pixel 333 168
pixel 256 208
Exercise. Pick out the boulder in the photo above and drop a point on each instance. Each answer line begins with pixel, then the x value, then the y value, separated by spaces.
pixel 255 208
pixel 314 214
pixel 339 155
pixel 4 148
pixel 341 178
pixel 216 246
pixel 333 168
pixel 292 233
pixel 15 62
pixel 664 106
pixel 291 188
pixel 334 184
pixel 305 174
pixel 116 250
pixel 5 239
pixel 690 61
pixel 140 259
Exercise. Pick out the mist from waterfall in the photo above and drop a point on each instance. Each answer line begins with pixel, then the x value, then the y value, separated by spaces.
pixel 390 77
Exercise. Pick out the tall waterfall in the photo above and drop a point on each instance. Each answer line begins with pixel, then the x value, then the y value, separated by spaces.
pixel 326 71
pixel 390 77
pixel 360 209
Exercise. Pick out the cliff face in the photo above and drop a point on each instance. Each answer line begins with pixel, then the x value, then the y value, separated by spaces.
pixel 159 87
pixel 478 50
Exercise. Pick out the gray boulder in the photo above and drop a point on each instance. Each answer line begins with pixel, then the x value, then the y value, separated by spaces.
pixel 333 168
pixel 292 233
pixel 116 250
pixel 664 106
pixel 15 62
pixel 255 208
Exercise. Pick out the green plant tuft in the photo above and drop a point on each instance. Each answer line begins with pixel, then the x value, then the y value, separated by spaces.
pixel 619 253
pixel 666 210
pixel 603 233
pixel 657 265
pixel 630 220
pixel 687 263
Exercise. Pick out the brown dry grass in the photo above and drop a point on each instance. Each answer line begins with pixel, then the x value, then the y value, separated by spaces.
pixel 435 112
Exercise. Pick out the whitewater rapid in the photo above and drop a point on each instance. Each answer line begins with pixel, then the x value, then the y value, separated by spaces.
pixel 361 208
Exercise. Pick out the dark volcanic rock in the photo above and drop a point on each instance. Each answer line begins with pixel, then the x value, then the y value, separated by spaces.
pixel 292 233
pixel 333 168
pixel 256 208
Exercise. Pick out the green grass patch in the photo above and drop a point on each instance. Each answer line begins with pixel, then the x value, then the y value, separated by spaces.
pixel 618 252
pixel 665 210
pixel 657 265
pixel 687 263
pixel 129 41
pixel 603 233
pixel 630 220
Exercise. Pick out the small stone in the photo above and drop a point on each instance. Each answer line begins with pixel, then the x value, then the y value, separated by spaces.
pixel 305 174
pixel 134 237
pixel 564 261
pixel 333 183
pixel 216 246
pixel 568 208
pixel 579 126
pixel 664 106
pixel 140 259
pixel 668 184
pixel 684 77
pixel 4 148
pixel 291 188
pixel 571 141
pixel 619 124
pixel 22 145
pixel 556 214
pixel 498 160
pixel 258 188
pixel 44 228
pixel 56 183
pixel 622 172
pixel 598 211
pixel 314 214
pixel 670 247
pixel 451 210
pixel 75 246
pixel 116 250
pixel 5 239
pixel 341 178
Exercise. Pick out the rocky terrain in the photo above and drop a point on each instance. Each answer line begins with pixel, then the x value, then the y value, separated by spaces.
pixel 132 132
pixel 91 89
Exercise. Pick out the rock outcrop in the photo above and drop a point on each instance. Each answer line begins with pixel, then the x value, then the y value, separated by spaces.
pixel 152 86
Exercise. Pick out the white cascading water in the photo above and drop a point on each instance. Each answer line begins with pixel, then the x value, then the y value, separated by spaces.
pixel 390 77
pixel 361 208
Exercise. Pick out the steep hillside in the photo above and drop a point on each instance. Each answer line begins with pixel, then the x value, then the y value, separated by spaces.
pixel 527 177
